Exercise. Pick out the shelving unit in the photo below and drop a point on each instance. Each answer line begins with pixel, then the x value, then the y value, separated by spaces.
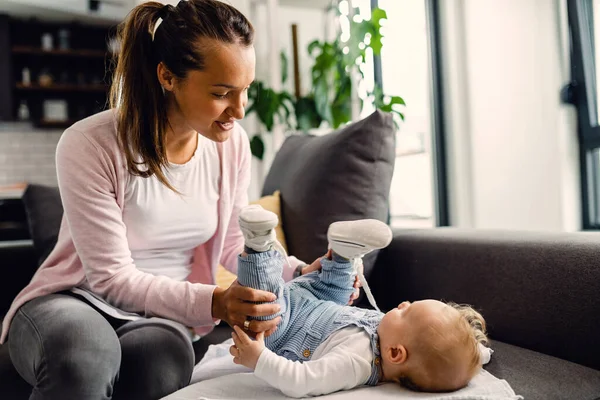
pixel 73 74
pixel 61 87
pixel 54 124
pixel 58 52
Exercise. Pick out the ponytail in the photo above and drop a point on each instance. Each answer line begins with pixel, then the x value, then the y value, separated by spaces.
pixel 137 96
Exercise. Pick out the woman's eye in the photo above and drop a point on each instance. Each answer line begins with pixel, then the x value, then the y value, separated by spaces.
pixel 220 96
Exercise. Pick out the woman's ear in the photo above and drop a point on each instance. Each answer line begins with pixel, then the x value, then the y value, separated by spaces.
pixel 398 354
pixel 165 76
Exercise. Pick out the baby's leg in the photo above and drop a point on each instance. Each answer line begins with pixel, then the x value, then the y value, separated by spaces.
pixel 334 282
pixel 263 271
pixel 350 241
pixel 261 267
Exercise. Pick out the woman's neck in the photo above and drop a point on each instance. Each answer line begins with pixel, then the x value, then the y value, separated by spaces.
pixel 181 147
pixel 181 139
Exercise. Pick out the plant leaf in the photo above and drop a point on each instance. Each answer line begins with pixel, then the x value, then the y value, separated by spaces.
pixel 313 45
pixel 257 147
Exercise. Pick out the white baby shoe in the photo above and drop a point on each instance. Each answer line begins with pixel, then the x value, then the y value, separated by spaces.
pixel 354 239
pixel 258 227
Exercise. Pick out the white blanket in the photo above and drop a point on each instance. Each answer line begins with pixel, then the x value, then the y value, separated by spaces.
pixel 216 377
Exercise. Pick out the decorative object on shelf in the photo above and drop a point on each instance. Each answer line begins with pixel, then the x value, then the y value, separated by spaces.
pixel 45 78
pixel 63 39
pixel 26 76
pixel 23 111
pixel 55 111
pixel 47 42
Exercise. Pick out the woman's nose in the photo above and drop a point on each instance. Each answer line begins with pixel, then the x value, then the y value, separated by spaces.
pixel 237 109
pixel 236 112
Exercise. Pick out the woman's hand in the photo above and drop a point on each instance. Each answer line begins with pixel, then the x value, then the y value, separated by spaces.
pixel 246 351
pixel 235 304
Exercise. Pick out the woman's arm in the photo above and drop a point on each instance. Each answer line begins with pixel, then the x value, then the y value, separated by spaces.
pixel 88 179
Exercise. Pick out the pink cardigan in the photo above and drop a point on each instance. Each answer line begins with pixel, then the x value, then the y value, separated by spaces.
pixel 92 248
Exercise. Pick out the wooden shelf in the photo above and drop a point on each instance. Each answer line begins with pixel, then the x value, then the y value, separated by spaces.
pixel 69 53
pixel 59 87
pixel 54 124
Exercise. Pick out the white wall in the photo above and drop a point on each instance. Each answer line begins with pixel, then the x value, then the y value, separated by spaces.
pixel 512 146
pixel 311 26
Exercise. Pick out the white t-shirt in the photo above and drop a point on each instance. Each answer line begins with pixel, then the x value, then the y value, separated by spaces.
pixel 341 362
pixel 164 227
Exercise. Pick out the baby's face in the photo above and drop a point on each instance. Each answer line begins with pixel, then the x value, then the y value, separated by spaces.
pixel 406 320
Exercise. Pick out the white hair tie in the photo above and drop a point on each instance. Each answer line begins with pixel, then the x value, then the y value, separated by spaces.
pixel 163 12
pixel 158 22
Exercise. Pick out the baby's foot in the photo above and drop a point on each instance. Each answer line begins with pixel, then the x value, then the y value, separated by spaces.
pixel 258 227
pixel 354 239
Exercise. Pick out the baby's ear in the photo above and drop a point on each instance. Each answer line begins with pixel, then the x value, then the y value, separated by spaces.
pixel 398 354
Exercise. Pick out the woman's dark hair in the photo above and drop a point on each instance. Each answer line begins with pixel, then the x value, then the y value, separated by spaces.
pixel 136 93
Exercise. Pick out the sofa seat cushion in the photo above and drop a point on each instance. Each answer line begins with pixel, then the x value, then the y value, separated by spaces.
pixel 18 263
pixel 537 376
pixel 221 333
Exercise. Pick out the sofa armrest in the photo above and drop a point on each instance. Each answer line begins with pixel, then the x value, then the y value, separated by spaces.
pixel 540 291
pixel 18 263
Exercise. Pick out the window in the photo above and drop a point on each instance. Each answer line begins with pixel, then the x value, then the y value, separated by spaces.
pixel 409 68
pixel 583 92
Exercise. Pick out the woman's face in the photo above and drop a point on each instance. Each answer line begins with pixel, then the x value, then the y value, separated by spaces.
pixel 209 101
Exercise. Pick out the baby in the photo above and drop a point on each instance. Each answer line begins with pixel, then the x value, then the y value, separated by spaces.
pixel 322 345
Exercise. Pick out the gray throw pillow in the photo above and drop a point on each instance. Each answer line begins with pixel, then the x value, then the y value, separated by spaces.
pixel 341 176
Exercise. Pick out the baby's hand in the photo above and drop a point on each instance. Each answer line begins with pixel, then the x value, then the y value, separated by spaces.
pixel 246 351
pixel 316 265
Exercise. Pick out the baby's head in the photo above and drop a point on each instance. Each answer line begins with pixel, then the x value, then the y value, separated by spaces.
pixel 431 346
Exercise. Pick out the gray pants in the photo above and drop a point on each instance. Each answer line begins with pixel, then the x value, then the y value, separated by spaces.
pixel 67 349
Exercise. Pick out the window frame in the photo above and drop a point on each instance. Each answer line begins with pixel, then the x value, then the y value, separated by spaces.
pixel 581 92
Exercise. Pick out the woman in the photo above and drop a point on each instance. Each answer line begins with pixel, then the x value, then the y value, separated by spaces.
pixel 151 191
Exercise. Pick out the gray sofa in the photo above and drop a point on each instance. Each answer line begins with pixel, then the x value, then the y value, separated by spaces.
pixel 539 292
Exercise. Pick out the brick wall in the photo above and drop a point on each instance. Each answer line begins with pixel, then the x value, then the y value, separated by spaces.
pixel 27 155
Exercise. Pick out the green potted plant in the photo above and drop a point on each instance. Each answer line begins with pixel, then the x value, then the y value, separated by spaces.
pixel 330 97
